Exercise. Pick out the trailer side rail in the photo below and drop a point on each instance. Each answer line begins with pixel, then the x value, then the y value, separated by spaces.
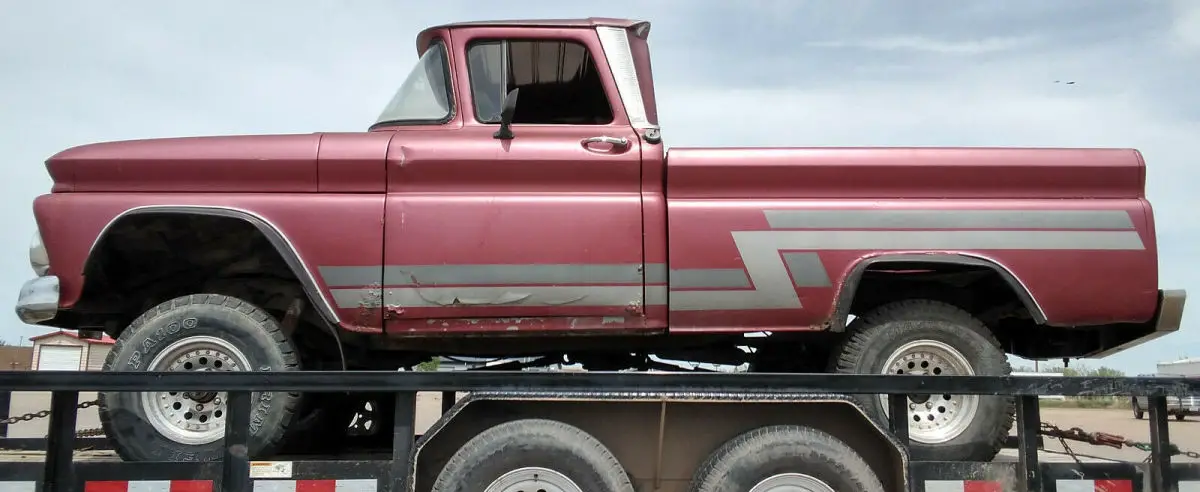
pixel 60 473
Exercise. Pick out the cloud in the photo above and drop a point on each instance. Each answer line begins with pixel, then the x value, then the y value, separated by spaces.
pixel 1185 27
pixel 928 45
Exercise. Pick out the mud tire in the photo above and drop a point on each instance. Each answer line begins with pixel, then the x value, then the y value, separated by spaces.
pixel 249 329
pixel 875 335
pixel 752 457
pixel 525 443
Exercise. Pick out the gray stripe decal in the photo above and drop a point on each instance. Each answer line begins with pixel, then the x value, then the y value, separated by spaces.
pixel 807 270
pixel 432 275
pixel 766 268
pixel 765 242
pixel 656 273
pixel 948 219
pixel 656 295
pixel 774 288
pixel 698 278
pixel 511 274
pixel 591 295
pixel 350 276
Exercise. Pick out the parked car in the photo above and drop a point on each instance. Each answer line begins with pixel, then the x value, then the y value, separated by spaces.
pixel 1181 408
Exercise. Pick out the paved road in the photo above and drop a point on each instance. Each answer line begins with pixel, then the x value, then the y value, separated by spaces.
pixel 1186 434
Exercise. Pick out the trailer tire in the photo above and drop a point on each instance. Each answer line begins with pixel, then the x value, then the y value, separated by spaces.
pixel 1137 410
pixel 784 457
pixel 199 332
pixel 934 334
pixel 533 451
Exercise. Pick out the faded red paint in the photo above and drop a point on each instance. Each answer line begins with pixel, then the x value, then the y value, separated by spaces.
pixel 452 195
pixel 71 222
pixel 1073 287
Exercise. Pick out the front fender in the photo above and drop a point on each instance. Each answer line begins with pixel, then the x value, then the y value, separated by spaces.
pixel 300 226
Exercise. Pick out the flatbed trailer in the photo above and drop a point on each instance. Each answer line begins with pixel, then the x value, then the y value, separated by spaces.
pixel 658 426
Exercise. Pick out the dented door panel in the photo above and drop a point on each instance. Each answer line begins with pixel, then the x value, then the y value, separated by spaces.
pixel 534 233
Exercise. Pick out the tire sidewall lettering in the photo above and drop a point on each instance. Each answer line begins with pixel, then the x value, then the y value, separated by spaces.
pixel 143 344
pixel 152 338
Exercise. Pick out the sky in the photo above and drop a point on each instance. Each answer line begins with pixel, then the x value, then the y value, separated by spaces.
pixel 745 73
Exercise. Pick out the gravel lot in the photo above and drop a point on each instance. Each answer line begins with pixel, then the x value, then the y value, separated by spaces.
pixel 1186 434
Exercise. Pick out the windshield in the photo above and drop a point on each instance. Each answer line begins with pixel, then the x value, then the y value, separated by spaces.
pixel 424 97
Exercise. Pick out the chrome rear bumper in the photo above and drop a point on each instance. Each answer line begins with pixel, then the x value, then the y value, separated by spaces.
pixel 1167 319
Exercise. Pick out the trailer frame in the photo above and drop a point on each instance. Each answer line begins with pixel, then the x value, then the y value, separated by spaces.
pixel 60 473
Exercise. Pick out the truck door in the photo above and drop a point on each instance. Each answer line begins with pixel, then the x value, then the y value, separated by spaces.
pixel 542 231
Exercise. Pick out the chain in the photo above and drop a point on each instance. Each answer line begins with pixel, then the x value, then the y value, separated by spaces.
pixel 1104 439
pixel 93 432
pixel 44 413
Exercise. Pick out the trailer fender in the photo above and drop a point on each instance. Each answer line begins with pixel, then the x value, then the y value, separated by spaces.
pixel 660 438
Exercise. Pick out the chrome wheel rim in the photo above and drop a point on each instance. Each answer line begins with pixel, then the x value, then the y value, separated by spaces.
pixel 192 417
pixel 792 482
pixel 533 479
pixel 933 419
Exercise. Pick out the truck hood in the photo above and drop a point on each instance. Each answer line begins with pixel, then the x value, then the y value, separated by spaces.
pixel 229 164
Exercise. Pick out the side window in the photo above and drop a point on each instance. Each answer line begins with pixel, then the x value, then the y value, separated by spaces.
pixel 558 80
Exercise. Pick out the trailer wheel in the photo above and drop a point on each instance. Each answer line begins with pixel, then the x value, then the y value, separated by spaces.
pixel 1138 413
pixel 533 455
pixel 198 333
pixel 924 337
pixel 785 458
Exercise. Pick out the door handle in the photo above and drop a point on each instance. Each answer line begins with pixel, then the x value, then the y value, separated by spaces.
pixel 616 141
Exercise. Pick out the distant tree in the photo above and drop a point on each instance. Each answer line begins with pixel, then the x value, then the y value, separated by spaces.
pixel 1076 370
pixel 1099 372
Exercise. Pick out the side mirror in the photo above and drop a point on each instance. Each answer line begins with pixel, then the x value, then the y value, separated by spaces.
pixel 507 111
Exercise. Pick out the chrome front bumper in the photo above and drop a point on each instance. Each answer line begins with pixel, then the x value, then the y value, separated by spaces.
pixel 38 300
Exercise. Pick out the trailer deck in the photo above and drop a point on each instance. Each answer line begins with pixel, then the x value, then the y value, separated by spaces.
pixel 1024 468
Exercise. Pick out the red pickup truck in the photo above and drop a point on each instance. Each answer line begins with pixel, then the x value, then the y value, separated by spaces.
pixel 515 199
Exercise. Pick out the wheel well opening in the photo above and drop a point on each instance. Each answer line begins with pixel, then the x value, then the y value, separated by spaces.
pixel 980 289
pixel 147 258
pixel 989 294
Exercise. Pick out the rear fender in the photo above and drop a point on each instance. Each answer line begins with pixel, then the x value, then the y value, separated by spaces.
pixel 853 280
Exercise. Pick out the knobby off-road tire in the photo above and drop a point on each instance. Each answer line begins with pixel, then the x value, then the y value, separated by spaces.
pixel 200 332
pixel 933 338
pixel 785 458
pixel 531 455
